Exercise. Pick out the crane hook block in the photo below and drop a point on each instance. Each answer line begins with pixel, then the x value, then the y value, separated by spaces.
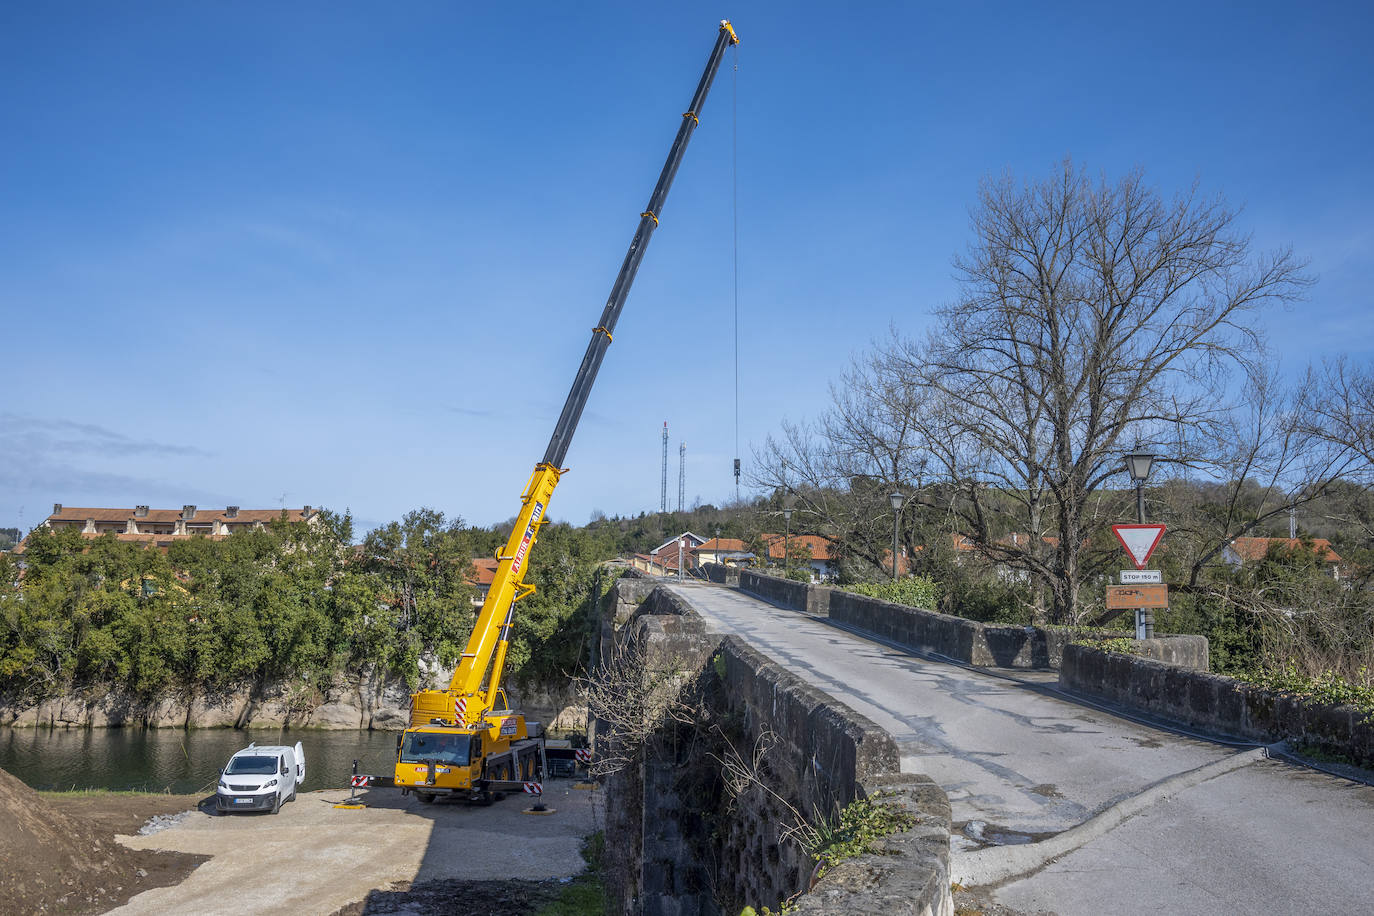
pixel 725 26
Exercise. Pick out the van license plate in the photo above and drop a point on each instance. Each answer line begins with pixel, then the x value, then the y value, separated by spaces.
pixel 243 801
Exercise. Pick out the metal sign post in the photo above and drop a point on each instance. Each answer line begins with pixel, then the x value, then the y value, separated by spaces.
pixel 1139 541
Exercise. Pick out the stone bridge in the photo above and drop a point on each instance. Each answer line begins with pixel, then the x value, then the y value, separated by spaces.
pixel 1056 802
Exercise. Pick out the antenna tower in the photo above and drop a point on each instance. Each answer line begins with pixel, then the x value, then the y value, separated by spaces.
pixel 681 473
pixel 663 485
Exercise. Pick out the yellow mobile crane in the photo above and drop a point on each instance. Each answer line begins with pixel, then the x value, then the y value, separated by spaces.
pixel 465 741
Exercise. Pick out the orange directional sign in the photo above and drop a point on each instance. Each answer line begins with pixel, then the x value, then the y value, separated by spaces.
pixel 1126 597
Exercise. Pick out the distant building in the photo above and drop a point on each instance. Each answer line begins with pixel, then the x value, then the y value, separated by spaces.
pixel 161 527
pixel 483 574
pixel 822 560
pixel 663 559
pixel 1248 550
pixel 726 551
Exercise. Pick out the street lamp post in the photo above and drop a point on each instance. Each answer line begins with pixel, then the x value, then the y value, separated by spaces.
pixel 1138 466
pixel 895 498
pixel 786 538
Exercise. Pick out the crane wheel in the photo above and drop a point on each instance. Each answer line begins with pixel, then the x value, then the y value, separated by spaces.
pixel 425 797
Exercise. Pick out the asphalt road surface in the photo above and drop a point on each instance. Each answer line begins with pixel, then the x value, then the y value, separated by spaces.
pixel 1064 807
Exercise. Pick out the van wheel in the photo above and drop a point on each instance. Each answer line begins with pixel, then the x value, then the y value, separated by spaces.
pixel 276 805
pixel 293 794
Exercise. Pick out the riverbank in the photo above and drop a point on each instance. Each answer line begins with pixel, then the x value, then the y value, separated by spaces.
pixel 59 852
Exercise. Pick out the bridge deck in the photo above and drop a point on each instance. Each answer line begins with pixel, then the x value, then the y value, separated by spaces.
pixel 1159 819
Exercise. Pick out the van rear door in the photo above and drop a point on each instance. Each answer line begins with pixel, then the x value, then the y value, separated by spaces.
pixel 300 764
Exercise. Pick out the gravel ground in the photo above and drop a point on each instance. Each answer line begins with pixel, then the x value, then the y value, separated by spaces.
pixel 316 858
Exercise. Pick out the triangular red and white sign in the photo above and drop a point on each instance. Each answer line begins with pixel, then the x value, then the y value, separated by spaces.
pixel 1139 540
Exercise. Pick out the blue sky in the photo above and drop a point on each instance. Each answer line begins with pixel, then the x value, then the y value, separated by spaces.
pixel 349 255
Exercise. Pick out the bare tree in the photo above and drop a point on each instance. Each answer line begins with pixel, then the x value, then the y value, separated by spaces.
pixel 1093 318
pixel 1268 459
pixel 633 694
pixel 1337 407
pixel 842 467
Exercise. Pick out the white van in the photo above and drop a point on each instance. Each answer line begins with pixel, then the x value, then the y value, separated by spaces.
pixel 261 778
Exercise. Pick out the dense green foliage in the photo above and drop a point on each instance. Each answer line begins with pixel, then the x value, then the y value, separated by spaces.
pixel 293 601
pixel 914 591
pixel 1328 687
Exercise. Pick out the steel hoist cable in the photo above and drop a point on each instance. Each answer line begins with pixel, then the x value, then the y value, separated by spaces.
pixel 734 216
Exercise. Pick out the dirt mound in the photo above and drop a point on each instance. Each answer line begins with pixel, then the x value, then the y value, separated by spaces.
pixel 51 862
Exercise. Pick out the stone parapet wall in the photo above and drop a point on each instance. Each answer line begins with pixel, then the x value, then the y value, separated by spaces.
pixel 696 845
pixel 721 574
pixel 930 632
pixel 775 589
pixel 908 874
pixel 1216 703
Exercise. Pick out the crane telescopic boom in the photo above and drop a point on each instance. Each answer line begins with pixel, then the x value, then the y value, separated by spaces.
pixel 466 710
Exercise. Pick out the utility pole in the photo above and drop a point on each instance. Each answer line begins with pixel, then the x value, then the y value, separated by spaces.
pixel 681 474
pixel 663 484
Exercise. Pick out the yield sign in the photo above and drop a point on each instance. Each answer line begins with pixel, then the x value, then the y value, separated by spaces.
pixel 1139 540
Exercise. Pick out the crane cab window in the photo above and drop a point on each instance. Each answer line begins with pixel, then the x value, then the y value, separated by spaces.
pixel 421 747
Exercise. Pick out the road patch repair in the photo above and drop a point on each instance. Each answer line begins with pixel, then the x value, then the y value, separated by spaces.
pixel 314 857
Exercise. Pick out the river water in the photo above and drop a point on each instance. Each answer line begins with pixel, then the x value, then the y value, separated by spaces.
pixel 176 760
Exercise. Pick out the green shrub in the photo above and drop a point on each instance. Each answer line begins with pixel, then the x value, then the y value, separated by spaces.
pixel 914 591
pixel 1327 688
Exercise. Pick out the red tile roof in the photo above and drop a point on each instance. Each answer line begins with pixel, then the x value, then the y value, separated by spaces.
pixel 723 544
pixel 1251 549
pixel 778 544
pixel 484 571
pixel 170 516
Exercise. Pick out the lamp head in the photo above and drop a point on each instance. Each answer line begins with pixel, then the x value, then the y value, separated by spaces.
pixel 1138 465
pixel 896 499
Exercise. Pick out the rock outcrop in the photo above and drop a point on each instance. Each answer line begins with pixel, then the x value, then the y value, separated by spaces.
pixel 363 701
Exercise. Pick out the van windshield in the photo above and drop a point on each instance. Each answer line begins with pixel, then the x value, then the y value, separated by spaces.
pixel 251 766
pixel 420 747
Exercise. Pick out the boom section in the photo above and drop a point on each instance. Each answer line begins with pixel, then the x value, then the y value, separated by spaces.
pixel 648 222
pixel 507 587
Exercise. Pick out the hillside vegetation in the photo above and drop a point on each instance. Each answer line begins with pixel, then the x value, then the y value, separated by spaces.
pixel 290 601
